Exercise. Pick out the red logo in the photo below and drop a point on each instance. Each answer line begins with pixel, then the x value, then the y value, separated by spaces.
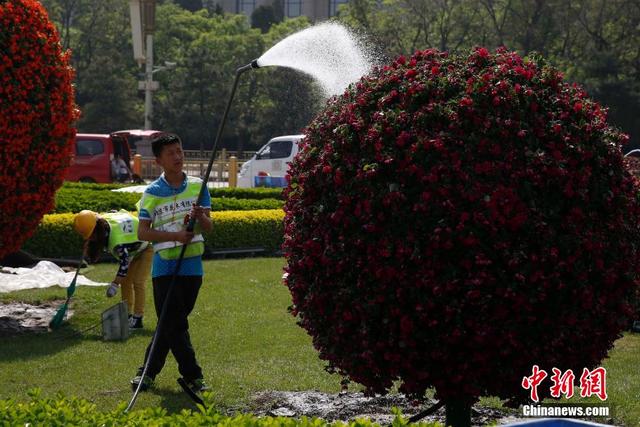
pixel 592 383
pixel 534 381
pixel 562 383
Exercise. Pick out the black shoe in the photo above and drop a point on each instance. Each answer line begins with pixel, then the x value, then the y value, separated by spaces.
pixel 135 322
pixel 147 382
pixel 198 385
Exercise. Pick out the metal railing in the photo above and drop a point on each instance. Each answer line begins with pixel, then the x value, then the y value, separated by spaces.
pixel 224 154
pixel 224 170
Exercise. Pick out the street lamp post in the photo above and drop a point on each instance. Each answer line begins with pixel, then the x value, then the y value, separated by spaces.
pixel 143 15
pixel 149 18
pixel 149 86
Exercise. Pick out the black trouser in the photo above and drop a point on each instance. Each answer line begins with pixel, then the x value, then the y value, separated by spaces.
pixel 174 331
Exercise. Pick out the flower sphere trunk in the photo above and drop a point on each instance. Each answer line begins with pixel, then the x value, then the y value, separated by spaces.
pixel 458 413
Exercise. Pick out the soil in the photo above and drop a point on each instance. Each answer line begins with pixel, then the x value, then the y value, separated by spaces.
pixel 19 318
pixel 349 406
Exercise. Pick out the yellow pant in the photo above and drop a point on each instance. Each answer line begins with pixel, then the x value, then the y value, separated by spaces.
pixel 133 285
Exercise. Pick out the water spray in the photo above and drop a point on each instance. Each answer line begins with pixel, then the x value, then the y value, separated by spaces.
pixel 253 64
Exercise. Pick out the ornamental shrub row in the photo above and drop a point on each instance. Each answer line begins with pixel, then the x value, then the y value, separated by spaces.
pixel 93 186
pixel 73 200
pixel 56 238
pixel 247 193
pixel 70 199
pixel 73 411
pixel 238 193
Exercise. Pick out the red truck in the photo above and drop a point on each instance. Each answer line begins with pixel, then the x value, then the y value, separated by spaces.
pixel 93 153
pixel 92 157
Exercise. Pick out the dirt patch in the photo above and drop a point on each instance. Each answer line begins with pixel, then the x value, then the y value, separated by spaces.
pixel 19 318
pixel 348 406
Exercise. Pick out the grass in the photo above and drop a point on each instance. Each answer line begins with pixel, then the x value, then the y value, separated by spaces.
pixel 245 340
pixel 623 380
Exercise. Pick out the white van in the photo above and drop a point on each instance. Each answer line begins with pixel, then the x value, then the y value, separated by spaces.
pixel 268 167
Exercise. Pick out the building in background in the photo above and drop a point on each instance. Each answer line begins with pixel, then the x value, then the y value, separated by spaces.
pixel 316 10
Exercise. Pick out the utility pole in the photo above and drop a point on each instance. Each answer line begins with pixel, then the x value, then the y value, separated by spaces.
pixel 148 17
pixel 143 16
pixel 143 19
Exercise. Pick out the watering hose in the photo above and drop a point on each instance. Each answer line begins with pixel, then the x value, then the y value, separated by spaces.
pixel 190 226
pixel 252 64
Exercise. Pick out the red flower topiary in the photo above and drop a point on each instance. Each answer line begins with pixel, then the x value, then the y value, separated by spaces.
pixel 452 221
pixel 36 115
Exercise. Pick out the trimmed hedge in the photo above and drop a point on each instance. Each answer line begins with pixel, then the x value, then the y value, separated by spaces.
pixel 237 229
pixel 74 200
pixel 233 204
pixel 94 186
pixel 237 193
pixel 70 199
pixel 73 411
pixel 56 238
pixel 247 193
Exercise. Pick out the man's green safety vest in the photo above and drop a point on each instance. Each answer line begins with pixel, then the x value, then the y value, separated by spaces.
pixel 124 230
pixel 168 214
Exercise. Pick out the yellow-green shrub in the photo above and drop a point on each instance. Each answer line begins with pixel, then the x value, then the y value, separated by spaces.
pixel 71 199
pixel 237 229
pixel 73 411
pixel 56 238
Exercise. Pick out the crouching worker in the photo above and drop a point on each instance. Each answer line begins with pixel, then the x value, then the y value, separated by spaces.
pixel 165 209
pixel 117 232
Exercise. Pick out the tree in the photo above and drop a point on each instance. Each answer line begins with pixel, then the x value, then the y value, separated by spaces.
pixel 213 7
pixel 190 5
pixel 99 36
pixel 595 42
pixel 109 99
pixel 446 24
pixel 36 119
pixel 264 16
pixel 208 50
pixel 579 37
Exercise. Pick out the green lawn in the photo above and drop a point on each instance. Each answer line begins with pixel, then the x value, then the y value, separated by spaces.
pixel 245 340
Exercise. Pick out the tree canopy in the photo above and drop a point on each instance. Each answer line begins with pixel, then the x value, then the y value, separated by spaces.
pixel 593 42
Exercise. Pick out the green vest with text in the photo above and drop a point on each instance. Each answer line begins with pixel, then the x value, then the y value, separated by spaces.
pixel 168 214
pixel 123 230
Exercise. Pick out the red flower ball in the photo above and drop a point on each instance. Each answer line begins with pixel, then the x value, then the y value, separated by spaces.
pixel 452 221
pixel 36 115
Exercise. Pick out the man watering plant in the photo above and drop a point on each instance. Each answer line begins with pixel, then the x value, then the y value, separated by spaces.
pixel 166 207
pixel 118 233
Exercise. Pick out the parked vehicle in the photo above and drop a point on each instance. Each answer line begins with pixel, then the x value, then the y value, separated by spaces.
pixel 93 154
pixel 268 167
pixel 139 140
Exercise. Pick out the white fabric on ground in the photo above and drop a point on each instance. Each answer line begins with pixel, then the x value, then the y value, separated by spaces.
pixel 141 188
pixel 131 189
pixel 43 275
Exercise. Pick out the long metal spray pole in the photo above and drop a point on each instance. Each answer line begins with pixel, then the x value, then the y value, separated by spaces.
pixel 190 226
pixel 148 81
